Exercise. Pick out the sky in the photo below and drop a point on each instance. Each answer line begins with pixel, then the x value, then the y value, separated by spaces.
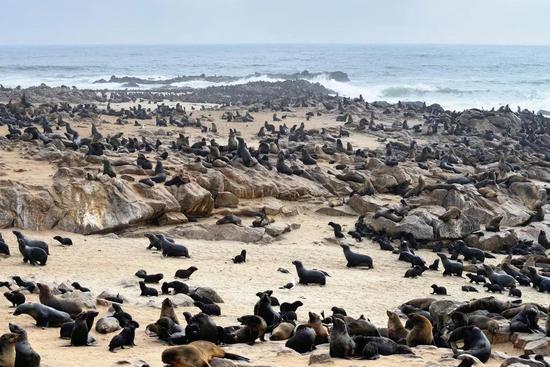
pixel 44 22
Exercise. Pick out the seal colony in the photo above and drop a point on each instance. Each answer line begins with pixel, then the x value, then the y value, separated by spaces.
pixel 452 200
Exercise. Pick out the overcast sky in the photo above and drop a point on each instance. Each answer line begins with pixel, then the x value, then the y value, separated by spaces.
pixel 274 21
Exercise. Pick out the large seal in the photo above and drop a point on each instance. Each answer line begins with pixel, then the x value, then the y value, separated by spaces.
pixel 196 354
pixel 341 344
pixel 475 342
pixel 31 243
pixel 202 327
pixel 526 321
pixel 266 311
pixel 25 356
pixel 321 331
pixel 44 316
pixel 396 330
pixel 7 349
pixel 79 335
pixel 254 327
pixel 355 260
pixel 451 267
pixel 470 253
pixel 71 307
pixel 309 276
pixel 421 333
pixel 504 280
pixel 171 249
pixel 33 255
pixel 303 340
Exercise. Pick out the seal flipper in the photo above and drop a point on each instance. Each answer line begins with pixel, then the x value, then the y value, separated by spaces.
pixel 235 357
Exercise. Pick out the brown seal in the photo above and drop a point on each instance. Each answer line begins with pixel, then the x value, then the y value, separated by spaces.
pixel 452 213
pixel 421 333
pixel 254 327
pixel 196 354
pixel 321 331
pixel 283 331
pixel 7 349
pixel 167 310
pixel 396 330
pixel 422 303
pixel 73 308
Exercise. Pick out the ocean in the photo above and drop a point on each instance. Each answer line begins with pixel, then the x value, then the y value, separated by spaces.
pixel 455 76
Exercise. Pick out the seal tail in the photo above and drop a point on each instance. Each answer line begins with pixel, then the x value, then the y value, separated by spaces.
pixel 235 357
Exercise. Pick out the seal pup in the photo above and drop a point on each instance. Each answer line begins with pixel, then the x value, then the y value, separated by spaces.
pixel 442 291
pixel 7 349
pixel 25 356
pixel 79 335
pixel 355 259
pixel 321 331
pixel 372 347
pixel 15 297
pixel 78 287
pixel 306 276
pixel 177 286
pixel 125 338
pixel 341 344
pixel 198 353
pixel 149 278
pixel 209 309
pixel 147 291
pixel 65 241
pixel 185 273
pixel 71 307
pixel 265 310
pixel 67 328
pixel 421 333
pixel 241 258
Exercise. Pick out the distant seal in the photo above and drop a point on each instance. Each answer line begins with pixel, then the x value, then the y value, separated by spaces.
pixel 172 249
pixel 438 290
pixel 475 343
pixel 15 297
pixel 4 248
pixel 32 255
pixel 396 330
pixel 43 315
pixel 421 333
pixel 177 286
pixel 452 213
pixel 71 307
pixel 494 224
pixel 149 278
pixel 341 344
pixel 470 253
pixel 154 241
pixel 504 280
pixel 303 340
pixel 229 219
pixel 25 356
pixel 209 309
pixel 185 273
pixel 78 287
pixel 309 276
pixel 476 278
pixel 65 241
pixel 202 327
pixel 196 354
pixel 7 349
pixel 355 259
pixel 451 267
pixel 284 330
pixel 254 327
pixel 241 258
pixel 542 284
pixel 167 310
pixel 288 310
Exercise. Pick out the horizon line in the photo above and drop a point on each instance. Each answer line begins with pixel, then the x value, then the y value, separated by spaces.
pixel 277 44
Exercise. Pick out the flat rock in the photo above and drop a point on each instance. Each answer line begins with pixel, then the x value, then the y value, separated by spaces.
pixel 225 232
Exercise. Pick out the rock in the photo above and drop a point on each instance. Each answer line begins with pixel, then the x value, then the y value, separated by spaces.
pixel 521 340
pixel 276 229
pixel 365 204
pixel 491 241
pixel 182 300
pixel 106 325
pixel 172 218
pixel 111 294
pixel 502 335
pixel 214 232
pixel 521 362
pixel 194 200
pixel 417 223
pixel 541 346
pixel 220 362
pixel 343 211
pixel 226 200
pixel 317 357
pixel 85 298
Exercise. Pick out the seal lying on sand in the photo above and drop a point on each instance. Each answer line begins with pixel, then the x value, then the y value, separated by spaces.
pixel 196 354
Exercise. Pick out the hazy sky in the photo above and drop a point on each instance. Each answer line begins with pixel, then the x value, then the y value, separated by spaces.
pixel 274 21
